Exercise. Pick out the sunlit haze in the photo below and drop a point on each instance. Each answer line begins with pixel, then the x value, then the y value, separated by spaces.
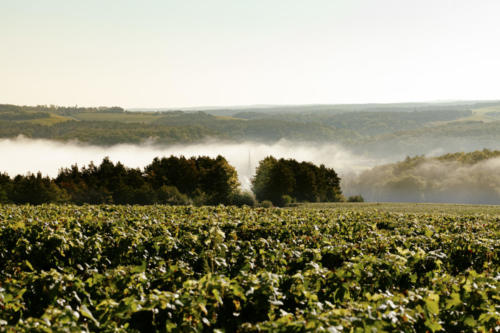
pixel 51 156
pixel 198 53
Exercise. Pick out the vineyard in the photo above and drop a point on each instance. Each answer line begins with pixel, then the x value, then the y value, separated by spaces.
pixel 160 268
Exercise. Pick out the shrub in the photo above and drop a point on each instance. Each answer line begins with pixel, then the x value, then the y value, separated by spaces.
pixel 266 204
pixel 3 196
pixel 355 198
pixel 171 195
pixel 286 200
pixel 242 198
pixel 200 198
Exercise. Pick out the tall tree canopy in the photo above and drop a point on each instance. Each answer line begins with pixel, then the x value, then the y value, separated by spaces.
pixel 172 180
pixel 302 181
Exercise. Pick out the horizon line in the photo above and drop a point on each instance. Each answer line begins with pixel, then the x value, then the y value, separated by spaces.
pixel 266 105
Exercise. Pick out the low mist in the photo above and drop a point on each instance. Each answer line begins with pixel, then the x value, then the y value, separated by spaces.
pixel 23 155
pixel 373 178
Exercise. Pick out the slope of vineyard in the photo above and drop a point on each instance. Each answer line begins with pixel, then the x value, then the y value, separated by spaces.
pixel 160 268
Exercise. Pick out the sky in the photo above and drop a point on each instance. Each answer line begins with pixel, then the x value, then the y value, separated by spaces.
pixel 189 53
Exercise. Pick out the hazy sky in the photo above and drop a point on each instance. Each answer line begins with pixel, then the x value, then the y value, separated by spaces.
pixel 234 52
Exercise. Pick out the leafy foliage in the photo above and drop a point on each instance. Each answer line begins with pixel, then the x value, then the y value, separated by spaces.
pixel 160 268
pixel 172 180
pixel 283 181
pixel 355 198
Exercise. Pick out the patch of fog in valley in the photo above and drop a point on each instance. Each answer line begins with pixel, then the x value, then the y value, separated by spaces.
pixel 369 176
pixel 23 155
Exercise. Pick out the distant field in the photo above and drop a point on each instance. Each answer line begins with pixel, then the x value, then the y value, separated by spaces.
pixel 129 117
pixel 490 113
pixel 483 114
pixel 53 119
pixel 410 208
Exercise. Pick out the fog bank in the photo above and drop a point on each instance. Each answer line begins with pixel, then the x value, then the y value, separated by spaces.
pixel 23 155
pixel 373 178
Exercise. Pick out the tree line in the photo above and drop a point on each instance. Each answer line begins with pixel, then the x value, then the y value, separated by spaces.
pixel 58 109
pixel 176 181
pixel 172 180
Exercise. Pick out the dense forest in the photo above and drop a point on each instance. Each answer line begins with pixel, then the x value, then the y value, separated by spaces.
pixel 106 133
pixel 174 181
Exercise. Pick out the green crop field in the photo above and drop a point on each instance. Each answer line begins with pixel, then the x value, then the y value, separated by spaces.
pixel 336 269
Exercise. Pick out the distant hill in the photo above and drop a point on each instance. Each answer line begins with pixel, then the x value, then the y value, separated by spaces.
pixel 389 130
pixel 329 108
pixel 452 178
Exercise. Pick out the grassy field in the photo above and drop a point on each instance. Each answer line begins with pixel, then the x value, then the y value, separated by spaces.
pixel 53 119
pixel 128 117
pixel 341 268
pixel 486 114
pixel 483 114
